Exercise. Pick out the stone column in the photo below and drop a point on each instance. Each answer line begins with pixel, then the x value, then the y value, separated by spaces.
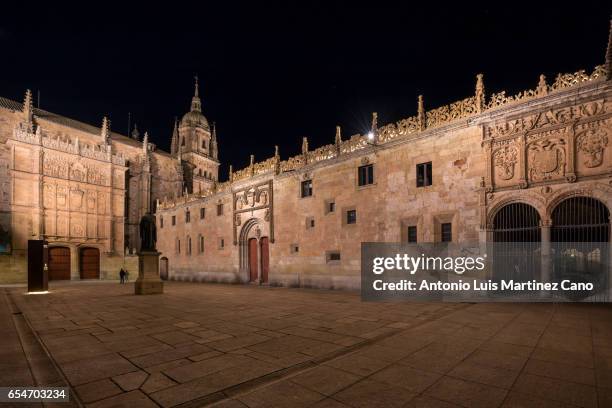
pixel 546 261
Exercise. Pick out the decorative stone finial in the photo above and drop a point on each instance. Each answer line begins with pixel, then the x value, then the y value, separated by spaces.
pixel 252 165
pixel 28 108
pixel 277 160
pixel 214 150
pixel 480 93
pixel 175 137
pixel 196 103
pixel 609 54
pixel 105 131
pixel 421 113
pixel 542 86
pixel 145 143
pixel 338 140
pixel 231 174
pixel 135 132
pixel 305 149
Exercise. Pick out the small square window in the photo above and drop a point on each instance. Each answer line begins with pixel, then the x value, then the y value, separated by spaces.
pixel 174 220
pixel 295 248
pixel 446 232
pixel 219 209
pixel 331 207
pixel 310 222
pixel 202 213
pixel 365 175
pixel 187 216
pixel 351 217
pixel 332 257
pixel 306 188
pixel 423 173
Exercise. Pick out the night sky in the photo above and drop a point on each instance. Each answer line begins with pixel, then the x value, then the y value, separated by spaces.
pixel 271 74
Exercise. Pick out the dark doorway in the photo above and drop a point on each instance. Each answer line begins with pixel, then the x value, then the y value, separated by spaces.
pixel 59 263
pixel 253 264
pixel 163 268
pixel 90 263
pixel 264 243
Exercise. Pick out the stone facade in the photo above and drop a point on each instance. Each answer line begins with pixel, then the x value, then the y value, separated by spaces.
pixel 301 221
pixel 440 175
pixel 78 186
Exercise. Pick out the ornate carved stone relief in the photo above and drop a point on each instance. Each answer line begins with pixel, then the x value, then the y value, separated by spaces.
pixel 250 199
pixel 546 159
pixel 505 160
pixel 592 142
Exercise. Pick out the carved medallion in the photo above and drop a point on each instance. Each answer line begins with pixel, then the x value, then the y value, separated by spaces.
pixel 546 159
pixel 592 143
pixel 505 160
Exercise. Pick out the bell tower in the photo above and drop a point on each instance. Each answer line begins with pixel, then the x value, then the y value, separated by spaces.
pixel 194 144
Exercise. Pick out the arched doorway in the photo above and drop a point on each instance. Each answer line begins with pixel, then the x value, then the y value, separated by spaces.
pixel 264 244
pixel 90 263
pixel 516 236
pixel 580 236
pixel 163 268
pixel 59 263
pixel 253 264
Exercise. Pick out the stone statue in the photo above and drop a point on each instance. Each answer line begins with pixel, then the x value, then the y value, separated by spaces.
pixel 148 233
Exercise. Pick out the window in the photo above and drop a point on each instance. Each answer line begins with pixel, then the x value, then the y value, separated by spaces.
pixel 351 217
pixel 187 216
pixel 161 221
pixel 189 246
pixel 295 248
pixel 423 172
pixel 306 188
pixel 219 209
pixel 446 232
pixel 331 207
pixel 221 243
pixel 174 220
pixel 366 175
pixel 201 244
pixel 202 213
pixel 178 246
pixel 204 144
pixel 412 234
pixel 332 257
pixel 310 222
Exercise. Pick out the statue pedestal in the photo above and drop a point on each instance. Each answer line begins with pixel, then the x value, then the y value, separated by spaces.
pixel 148 282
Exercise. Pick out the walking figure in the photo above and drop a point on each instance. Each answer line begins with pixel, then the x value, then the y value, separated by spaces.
pixel 122 276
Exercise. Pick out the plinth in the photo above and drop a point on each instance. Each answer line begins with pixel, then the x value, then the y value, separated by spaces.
pixel 148 282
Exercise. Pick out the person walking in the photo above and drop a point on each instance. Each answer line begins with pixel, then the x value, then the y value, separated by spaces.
pixel 122 276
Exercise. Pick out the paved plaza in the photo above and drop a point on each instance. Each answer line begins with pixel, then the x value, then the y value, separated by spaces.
pixel 236 346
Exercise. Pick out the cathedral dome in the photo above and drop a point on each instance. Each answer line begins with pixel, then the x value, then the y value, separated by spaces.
pixel 195 118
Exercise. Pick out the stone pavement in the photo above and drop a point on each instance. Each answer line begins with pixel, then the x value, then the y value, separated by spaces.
pixel 237 346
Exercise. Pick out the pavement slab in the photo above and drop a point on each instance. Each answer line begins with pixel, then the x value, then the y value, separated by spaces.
pixel 247 346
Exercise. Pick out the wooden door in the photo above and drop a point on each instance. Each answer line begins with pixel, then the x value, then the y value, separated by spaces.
pixel 90 263
pixel 59 263
pixel 265 258
pixel 253 264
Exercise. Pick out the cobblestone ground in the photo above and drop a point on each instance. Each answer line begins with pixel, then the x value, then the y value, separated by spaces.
pixel 237 346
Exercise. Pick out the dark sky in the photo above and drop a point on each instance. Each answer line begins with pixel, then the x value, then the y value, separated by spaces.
pixel 271 73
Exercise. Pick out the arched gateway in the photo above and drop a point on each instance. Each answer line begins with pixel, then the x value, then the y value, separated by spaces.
pixel 254 251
